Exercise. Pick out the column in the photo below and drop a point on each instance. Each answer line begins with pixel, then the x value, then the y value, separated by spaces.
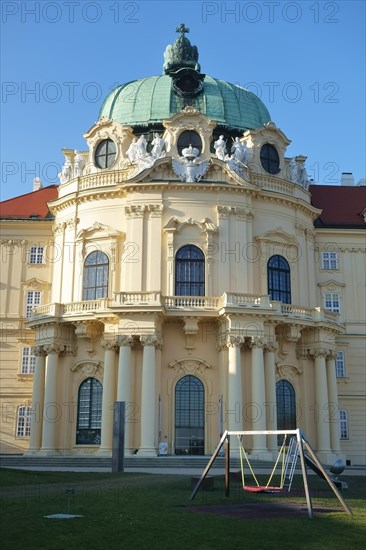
pixel 148 443
pixel 35 440
pixel 321 406
pixel 125 344
pixel 51 411
pixel 333 402
pixel 233 408
pixel 109 395
pixel 271 399
pixel 258 396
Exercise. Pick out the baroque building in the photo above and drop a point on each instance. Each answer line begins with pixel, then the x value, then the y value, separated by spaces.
pixel 186 266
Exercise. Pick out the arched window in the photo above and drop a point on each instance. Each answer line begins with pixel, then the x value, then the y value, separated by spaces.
pixel 190 271
pixel 187 138
pixel 286 406
pixel 279 284
pixel 189 416
pixel 24 421
pixel 89 412
pixel 95 278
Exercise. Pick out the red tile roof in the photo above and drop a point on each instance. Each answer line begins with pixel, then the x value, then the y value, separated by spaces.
pixel 29 206
pixel 341 205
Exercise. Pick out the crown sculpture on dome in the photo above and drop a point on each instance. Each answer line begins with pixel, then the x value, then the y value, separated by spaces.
pixel 181 53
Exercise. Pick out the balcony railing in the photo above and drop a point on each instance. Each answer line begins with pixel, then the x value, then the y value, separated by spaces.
pixel 191 302
pixel 184 303
pixel 137 299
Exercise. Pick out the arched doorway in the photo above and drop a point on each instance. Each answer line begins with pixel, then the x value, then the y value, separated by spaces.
pixel 189 417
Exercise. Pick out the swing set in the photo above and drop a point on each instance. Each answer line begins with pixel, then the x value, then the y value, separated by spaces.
pixel 297 445
pixel 268 488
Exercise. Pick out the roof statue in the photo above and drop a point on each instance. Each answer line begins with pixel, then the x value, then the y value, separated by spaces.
pixel 181 53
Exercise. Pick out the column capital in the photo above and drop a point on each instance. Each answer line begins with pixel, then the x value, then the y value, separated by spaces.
pixel 271 346
pixel 257 342
pixel 124 340
pixel 332 355
pixel 39 351
pixel 149 340
pixel 53 349
pixel 233 340
pixel 319 352
pixel 109 345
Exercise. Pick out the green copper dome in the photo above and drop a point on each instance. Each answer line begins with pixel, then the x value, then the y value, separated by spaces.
pixel 149 101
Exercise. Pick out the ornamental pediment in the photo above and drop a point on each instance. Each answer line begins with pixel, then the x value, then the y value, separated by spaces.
pixel 205 226
pixel 278 235
pixel 98 230
pixel 331 284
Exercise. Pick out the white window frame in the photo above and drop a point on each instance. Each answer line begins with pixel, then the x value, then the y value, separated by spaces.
pixel 343 424
pixel 330 260
pixel 32 299
pixel 36 255
pixel 24 416
pixel 28 361
pixel 340 364
pixel 332 298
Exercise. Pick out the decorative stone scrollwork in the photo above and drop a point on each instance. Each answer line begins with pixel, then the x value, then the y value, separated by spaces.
pixel 190 365
pixel 87 369
pixel 288 371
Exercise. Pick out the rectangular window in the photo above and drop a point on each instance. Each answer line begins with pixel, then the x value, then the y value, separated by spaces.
pixel 340 365
pixel 36 254
pixel 331 301
pixel 28 361
pixel 23 422
pixel 343 425
pixel 33 300
pixel 330 260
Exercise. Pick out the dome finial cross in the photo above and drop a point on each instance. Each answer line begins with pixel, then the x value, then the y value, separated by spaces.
pixel 182 29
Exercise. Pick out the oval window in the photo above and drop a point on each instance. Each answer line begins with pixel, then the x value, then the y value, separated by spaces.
pixel 270 159
pixel 105 153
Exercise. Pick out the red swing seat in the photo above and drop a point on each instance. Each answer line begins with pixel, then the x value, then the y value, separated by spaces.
pixel 261 489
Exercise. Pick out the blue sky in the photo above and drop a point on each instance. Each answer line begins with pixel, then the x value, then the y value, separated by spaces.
pixel 306 60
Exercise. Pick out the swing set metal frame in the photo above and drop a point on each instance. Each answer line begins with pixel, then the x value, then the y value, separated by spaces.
pixel 303 444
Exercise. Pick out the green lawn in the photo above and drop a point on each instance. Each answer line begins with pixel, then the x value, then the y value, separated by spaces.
pixel 154 511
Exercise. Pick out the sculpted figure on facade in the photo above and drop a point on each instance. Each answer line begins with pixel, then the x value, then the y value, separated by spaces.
pixel 158 147
pixel 220 148
pixel 66 172
pixel 294 171
pixel 79 164
pixel 303 176
pixel 237 162
pixel 132 151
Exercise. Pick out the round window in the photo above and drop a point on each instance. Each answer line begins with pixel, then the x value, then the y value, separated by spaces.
pixel 105 153
pixel 270 159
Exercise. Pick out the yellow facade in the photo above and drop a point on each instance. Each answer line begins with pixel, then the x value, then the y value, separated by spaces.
pixel 141 340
